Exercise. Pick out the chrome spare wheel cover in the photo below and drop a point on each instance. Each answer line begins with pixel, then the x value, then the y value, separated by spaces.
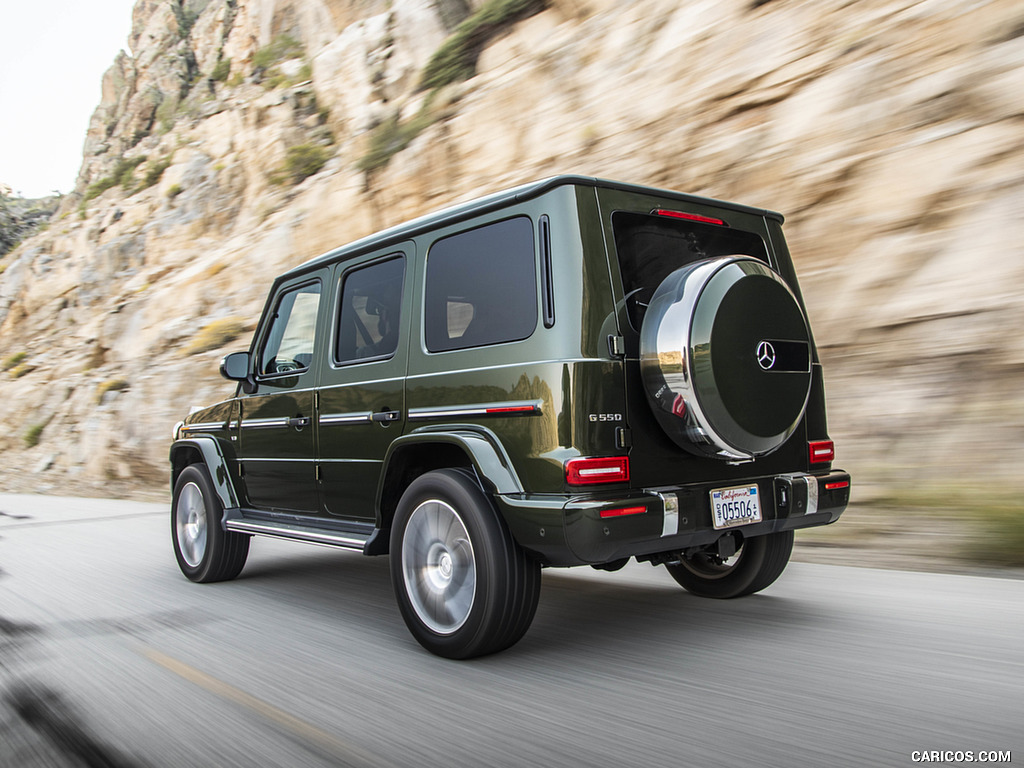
pixel 190 524
pixel 725 357
pixel 438 566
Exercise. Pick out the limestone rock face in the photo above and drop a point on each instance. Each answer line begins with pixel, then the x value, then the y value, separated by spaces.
pixel 241 137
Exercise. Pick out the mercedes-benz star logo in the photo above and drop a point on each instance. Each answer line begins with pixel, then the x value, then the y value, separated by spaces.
pixel 766 355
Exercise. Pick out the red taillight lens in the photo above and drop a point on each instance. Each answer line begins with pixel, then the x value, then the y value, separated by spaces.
pixel 502 409
pixel 837 486
pixel 689 217
pixel 821 451
pixel 623 512
pixel 611 469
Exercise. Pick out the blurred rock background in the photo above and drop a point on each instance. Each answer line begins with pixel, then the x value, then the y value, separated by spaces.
pixel 242 137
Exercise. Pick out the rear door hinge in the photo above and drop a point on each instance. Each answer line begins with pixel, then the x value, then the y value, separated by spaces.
pixel 616 346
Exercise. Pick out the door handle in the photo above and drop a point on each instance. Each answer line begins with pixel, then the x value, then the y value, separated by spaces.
pixel 386 417
pixel 299 421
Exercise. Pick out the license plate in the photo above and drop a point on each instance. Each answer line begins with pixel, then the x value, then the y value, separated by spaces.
pixel 735 506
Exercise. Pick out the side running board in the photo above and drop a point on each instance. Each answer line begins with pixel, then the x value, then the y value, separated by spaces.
pixel 292 532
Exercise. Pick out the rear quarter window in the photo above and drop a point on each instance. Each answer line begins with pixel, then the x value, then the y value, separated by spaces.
pixel 481 287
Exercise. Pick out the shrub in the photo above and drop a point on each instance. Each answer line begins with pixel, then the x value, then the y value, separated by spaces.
pixel 174 191
pixel 12 360
pixel 456 58
pixel 20 370
pixel 154 172
pixel 111 385
pixel 221 70
pixel 391 137
pixel 33 434
pixel 301 162
pixel 281 48
pixel 215 335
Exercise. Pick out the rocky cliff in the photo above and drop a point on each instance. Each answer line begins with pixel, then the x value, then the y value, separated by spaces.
pixel 241 137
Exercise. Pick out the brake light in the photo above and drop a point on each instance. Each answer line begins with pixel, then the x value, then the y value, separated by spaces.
pixel 821 451
pixel 610 469
pixel 689 217
pixel 623 512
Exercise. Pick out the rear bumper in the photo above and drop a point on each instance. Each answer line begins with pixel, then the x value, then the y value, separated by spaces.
pixel 564 530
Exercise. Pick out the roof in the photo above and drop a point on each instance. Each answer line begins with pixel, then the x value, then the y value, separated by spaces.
pixel 496 201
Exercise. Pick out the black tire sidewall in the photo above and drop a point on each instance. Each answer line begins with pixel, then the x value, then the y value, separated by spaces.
pixel 223 557
pixel 764 558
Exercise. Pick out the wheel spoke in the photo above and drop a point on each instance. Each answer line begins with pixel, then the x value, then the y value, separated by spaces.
pixel 438 566
pixel 190 524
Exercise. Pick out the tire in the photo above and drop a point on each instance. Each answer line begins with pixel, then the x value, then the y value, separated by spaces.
pixel 464 586
pixel 204 550
pixel 725 356
pixel 757 564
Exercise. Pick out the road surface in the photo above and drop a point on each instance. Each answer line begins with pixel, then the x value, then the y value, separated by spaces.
pixel 109 657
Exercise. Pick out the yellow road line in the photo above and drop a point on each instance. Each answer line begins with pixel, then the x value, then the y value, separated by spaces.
pixel 303 730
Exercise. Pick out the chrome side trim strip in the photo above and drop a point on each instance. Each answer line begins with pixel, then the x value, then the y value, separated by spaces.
pixel 532 363
pixel 280 531
pixel 346 418
pixel 350 461
pixel 250 459
pixel 510 408
pixel 199 426
pixel 264 423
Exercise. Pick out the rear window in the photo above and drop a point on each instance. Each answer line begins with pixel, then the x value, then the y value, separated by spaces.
pixel 481 287
pixel 651 247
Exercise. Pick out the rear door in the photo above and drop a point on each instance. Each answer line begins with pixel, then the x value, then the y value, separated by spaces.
pixel 649 237
pixel 276 429
pixel 362 396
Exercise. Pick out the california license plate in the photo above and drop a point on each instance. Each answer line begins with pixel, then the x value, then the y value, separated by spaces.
pixel 735 506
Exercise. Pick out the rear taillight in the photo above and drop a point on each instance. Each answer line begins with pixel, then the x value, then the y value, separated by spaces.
pixel 821 451
pixel 609 469
pixel 623 511
pixel 689 217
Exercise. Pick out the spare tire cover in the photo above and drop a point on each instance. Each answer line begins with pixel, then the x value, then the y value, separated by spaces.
pixel 725 358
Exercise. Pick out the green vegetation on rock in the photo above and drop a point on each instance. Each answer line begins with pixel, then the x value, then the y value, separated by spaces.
pixel 216 334
pixel 456 58
pixel 12 360
pixel 300 162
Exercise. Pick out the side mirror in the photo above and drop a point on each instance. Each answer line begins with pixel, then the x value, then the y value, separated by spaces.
pixel 236 367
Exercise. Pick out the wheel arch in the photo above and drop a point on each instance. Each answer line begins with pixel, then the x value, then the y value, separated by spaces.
pixel 208 451
pixel 415 454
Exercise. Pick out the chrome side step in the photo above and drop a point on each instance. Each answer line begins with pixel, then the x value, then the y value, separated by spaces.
pixel 280 530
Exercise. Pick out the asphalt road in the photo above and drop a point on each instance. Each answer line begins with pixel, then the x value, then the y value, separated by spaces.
pixel 109 657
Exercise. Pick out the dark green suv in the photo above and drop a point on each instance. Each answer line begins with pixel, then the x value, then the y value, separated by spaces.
pixel 572 372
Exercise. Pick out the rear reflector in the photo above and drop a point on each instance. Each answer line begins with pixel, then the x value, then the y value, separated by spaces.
pixel 837 486
pixel 623 512
pixel 610 469
pixel 689 217
pixel 512 409
pixel 821 451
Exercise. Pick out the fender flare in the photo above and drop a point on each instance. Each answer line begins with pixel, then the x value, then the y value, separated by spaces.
pixel 215 455
pixel 483 449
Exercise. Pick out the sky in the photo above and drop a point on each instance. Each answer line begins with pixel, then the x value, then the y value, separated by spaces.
pixel 52 58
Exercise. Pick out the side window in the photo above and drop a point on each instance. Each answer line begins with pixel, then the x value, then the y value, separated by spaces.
pixel 481 287
pixel 368 322
pixel 288 347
